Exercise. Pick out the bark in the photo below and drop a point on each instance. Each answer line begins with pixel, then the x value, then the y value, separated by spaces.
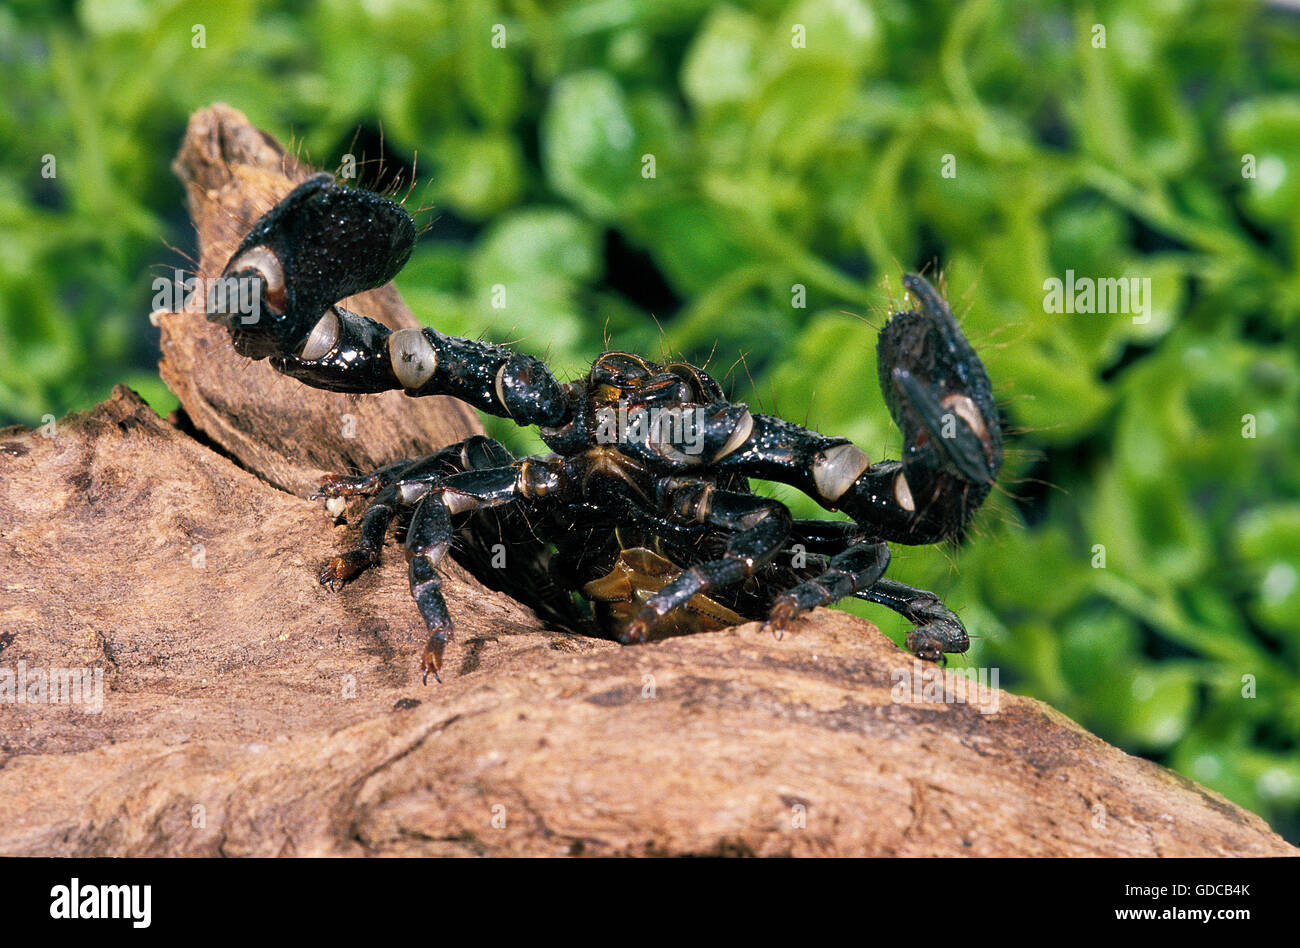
pixel 248 711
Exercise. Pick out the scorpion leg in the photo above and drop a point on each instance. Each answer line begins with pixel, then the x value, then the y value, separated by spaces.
pixel 398 485
pixel 827 536
pixel 430 535
pixel 475 452
pixel 847 573
pixel 374 525
pixel 465 476
pixel 761 526
pixel 938 630
pixel 334 486
pixel 427 541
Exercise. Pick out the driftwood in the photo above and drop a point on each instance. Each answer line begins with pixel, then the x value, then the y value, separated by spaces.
pixel 246 710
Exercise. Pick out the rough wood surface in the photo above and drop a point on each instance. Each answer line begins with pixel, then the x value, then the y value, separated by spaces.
pixel 248 711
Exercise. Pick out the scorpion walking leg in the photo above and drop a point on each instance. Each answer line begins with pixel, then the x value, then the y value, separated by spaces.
pixel 427 541
pixel 374 525
pixel 430 535
pixel 846 574
pixel 462 477
pixel 400 484
pixel 355 485
pixel 826 536
pixel 762 527
pixel 938 630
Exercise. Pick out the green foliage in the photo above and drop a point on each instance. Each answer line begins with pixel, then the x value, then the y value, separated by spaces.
pixel 1000 142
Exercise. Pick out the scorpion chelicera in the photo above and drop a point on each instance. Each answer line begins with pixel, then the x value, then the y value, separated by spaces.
pixel 653 520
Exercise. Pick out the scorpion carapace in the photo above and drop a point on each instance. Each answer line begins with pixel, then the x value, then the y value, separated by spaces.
pixel 644 505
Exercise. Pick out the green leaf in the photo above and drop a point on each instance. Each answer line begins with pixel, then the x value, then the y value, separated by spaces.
pixel 490 74
pixel 1264 136
pixel 1268 539
pixel 481 174
pixel 589 144
pixel 524 277
pixel 1157 703
pixel 695 243
pixel 721 65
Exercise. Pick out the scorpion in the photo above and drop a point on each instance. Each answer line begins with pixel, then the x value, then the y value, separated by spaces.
pixel 658 531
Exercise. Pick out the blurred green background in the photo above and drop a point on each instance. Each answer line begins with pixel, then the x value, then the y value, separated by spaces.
pixel 1000 143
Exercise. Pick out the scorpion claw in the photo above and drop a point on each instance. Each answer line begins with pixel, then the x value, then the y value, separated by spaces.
pixel 782 615
pixel 931 642
pixel 431 660
pixel 343 569
pixel 962 446
pixel 637 631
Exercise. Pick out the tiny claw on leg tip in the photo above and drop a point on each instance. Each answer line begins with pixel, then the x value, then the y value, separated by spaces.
pixel 429 665
pixel 635 633
pixel 431 661
pixel 781 616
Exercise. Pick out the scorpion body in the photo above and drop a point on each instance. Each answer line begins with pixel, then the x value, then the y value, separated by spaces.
pixel 653 520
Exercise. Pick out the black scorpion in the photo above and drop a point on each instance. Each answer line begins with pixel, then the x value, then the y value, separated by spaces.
pixel 644 504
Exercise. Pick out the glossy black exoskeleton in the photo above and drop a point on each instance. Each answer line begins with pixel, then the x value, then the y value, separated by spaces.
pixel 644 505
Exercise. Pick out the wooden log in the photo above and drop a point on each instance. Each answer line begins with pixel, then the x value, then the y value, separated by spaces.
pixel 245 710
